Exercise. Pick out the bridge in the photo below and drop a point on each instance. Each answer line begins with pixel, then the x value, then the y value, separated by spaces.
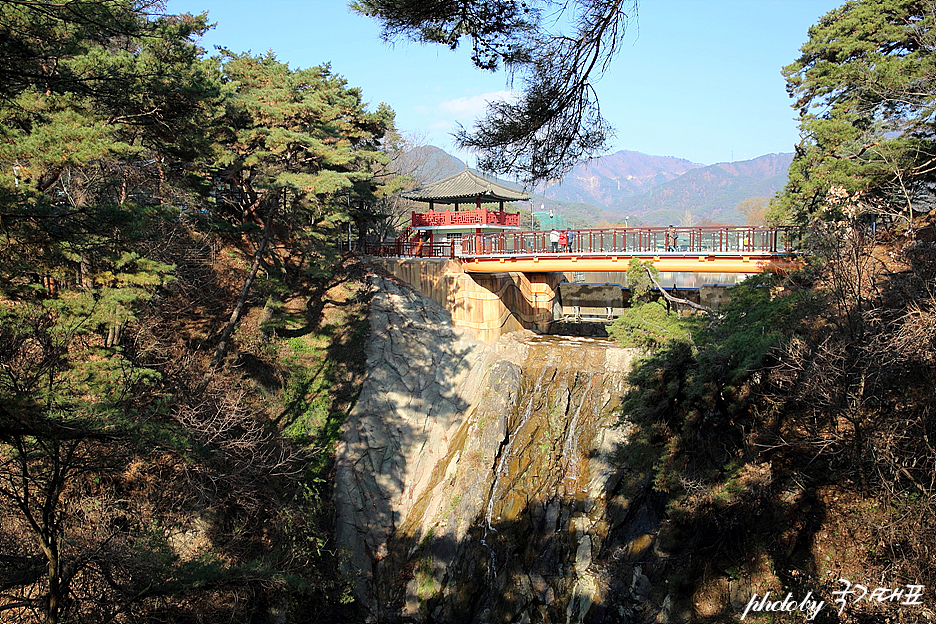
pixel 703 249
pixel 496 282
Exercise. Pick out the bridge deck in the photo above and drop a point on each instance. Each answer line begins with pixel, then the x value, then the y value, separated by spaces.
pixel 713 262
pixel 732 249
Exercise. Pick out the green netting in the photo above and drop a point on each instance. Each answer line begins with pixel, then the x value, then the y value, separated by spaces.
pixel 550 220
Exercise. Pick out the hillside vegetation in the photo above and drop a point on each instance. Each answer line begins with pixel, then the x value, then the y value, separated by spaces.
pixel 792 431
pixel 178 340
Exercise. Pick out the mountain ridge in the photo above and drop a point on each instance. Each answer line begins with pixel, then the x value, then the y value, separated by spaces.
pixel 710 192
pixel 649 189
pixel 623 173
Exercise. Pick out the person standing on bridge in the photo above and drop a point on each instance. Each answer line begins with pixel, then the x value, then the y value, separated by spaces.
pixel 570 235
pixel 670 238
pixel 563 240
pixel 554 240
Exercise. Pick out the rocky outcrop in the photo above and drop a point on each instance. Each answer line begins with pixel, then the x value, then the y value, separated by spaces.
pixel 420 384
pixel 482 483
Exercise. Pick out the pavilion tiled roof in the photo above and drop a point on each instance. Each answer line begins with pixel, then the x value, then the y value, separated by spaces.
pixel 464 186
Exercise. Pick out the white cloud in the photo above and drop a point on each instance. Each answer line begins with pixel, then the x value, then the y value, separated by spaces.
pixel 473 106
pixel 439 119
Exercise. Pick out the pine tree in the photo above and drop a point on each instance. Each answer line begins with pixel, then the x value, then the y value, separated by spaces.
pixel 556 121
pixel 297 150
pixel 863 89
pixel 94 126
pixel 96 100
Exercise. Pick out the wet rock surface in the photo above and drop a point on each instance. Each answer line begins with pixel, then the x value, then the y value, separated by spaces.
pixel 483 484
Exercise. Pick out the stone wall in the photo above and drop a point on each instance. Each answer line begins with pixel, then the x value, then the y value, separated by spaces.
pixel 489 304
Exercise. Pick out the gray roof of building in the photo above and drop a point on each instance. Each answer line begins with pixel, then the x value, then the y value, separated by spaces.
pixel 463 186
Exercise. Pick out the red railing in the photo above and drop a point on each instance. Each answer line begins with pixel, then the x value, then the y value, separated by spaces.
pixel 408 249
pixel 689 240
pixel 755 240
pixel 465 217
pixel 405 235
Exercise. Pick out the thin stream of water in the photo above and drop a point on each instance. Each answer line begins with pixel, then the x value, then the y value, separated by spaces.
pixel 505 453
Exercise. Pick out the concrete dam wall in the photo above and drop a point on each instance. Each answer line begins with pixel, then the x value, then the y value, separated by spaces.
pixel 489 304
pixel 494 304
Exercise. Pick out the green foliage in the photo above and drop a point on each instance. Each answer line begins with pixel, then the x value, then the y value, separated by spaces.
pixel 638 281
pixel 646 324
pixel 866 112
pixel 680 391
pixel 659 382
pixel 758 319
pixel 62 356
pixel 113 129
pixel 306 546
pixel 300 139
pixel 649 326
pixel 110 95
pixel 425 579
pixel 319 360
pixel 307 400
pixel 92 132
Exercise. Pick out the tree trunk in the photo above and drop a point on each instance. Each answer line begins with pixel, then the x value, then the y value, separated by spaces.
pixel 678 300
pixel 248 282
pixel 55 597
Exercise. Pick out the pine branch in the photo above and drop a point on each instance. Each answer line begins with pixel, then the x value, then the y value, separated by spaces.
pixel 679 300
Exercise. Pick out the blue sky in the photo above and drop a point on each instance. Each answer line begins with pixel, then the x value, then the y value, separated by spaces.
pixel 696 79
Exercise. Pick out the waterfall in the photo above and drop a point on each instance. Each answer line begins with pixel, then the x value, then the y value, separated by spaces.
pixel 505 453
pixel 489 500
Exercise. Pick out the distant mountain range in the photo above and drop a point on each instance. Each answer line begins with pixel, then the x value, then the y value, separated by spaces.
pixel 607 180
pixel 432 163
pixel 653 190
pixel 711 192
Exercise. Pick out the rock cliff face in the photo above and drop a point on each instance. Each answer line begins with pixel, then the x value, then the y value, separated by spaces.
pixel 478 483
pixel 420 384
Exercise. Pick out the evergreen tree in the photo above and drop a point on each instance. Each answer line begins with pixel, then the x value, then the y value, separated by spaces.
pixel 100 106
pixel 297 149
pixel 111 127
pixel 863 86
pixel 100 127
